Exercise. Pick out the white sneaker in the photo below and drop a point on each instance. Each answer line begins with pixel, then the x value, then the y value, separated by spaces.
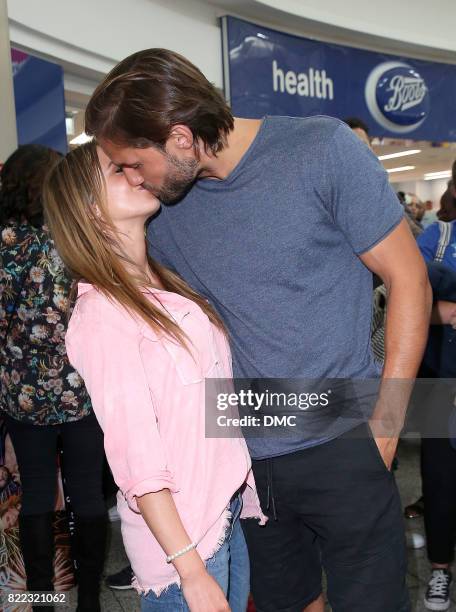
pixel 113 514
pixel 438 592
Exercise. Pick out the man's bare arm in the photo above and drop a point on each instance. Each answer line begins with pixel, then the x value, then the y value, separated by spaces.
pixel 400 265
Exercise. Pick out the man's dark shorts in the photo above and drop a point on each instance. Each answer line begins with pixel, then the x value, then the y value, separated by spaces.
pixel 336 506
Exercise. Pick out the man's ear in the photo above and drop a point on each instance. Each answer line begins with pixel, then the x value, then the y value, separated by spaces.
pixel 180 139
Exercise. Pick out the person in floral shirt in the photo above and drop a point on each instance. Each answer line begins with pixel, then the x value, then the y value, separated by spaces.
pixel 38 384
pixel 41 396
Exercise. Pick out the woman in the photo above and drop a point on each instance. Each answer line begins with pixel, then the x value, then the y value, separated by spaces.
pixel 41 394
pixel 435 245
pixel 144 342
pixel 438 457
pixel 436 242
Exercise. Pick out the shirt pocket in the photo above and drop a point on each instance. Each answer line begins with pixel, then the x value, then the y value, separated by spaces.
pixel 195 360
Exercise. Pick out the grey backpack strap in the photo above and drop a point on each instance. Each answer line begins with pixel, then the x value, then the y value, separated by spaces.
pixel 444 240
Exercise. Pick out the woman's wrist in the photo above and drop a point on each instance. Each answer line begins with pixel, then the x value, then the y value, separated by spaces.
pixel 189 564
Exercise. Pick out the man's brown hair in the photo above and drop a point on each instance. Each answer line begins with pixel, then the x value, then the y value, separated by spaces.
pixel 148 93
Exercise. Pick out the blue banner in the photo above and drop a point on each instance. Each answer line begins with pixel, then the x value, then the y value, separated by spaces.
pixel 267 72
pixel 39 100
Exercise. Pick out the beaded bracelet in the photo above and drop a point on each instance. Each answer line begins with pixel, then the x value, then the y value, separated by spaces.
pixel 179 553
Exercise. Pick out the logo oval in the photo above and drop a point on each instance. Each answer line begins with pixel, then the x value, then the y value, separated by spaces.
pixel 397 97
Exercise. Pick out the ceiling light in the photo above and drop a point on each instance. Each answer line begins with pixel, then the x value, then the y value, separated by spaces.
pixel 81 139
pixel 399 154
pixel 430 176
pixel 401 169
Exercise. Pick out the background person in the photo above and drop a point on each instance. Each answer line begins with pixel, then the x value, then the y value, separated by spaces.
pixel 360 128
pixel 438 243
pixel 438 457
pixel 430 215
pixel 413 225
pixel 42 396
pixel 416 207
pixel 435 245
pixel 447 210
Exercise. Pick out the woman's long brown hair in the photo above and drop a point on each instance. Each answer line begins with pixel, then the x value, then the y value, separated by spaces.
pixel 86 239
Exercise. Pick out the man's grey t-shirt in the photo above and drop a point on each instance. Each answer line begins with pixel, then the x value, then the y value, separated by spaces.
pixel 275 248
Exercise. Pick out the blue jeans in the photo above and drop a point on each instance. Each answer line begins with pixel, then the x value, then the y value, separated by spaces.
pixel 229 567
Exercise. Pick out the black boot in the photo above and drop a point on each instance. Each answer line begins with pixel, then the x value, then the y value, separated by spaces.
pixel 89 551
pixel 36 536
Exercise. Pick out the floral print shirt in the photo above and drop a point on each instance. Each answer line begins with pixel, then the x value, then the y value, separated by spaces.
pixel 37 383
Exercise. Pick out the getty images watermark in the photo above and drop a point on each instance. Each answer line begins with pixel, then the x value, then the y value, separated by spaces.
pixel 252 401
pixel 322 409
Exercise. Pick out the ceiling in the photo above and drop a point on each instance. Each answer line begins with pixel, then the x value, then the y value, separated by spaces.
pixel 433 158
pixel 289 16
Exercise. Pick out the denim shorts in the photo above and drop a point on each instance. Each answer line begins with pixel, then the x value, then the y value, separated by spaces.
pixel 229 567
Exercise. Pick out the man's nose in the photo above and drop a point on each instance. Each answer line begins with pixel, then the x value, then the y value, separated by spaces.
pixel 133 176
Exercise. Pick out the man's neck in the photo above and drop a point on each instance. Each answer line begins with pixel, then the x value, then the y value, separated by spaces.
pixel 238 141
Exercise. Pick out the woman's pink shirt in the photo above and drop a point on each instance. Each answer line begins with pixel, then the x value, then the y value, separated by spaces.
pixel 148 394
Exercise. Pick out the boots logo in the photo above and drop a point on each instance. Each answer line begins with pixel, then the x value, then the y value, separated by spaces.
pixel 397 97
pixel 407 92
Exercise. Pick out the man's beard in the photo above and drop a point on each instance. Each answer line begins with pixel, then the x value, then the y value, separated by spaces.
pixel 178 181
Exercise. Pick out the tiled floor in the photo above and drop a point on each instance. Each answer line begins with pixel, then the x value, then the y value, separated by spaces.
pixel 409 485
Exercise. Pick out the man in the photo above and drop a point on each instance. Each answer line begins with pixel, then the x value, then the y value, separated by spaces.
pixel 272 226
pixel 359 128
pixel 416 207
pixel 410 219
pixel 430 216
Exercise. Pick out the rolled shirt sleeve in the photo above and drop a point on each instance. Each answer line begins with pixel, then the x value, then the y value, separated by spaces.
pixel 103 344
